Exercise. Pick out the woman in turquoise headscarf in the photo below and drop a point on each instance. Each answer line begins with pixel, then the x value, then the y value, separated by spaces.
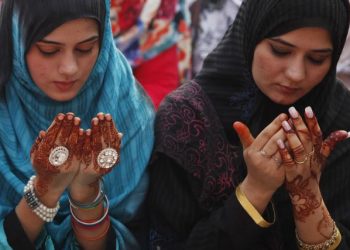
pixel 63 79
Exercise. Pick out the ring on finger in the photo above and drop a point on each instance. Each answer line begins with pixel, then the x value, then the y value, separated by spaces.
pixel 303 161
pixel 107 158
pixel 58 156
pixel 312 151
pixel 264 154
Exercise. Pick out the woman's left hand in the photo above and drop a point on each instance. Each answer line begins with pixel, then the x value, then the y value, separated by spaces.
pixel 306 159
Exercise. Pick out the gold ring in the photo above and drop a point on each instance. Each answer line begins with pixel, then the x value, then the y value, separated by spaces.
pixel 312 152
pixel 303 161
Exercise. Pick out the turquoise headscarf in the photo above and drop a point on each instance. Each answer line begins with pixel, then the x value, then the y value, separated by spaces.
pixel 25 110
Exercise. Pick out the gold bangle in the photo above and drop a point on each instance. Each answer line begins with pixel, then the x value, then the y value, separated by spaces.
pixel 250 209
pixel 331 244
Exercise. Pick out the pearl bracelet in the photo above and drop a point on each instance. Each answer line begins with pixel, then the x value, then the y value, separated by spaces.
pixel 43 212
pixel 329 244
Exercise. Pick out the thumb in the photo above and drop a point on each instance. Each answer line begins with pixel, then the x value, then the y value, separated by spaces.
pixel 331 141
pixel 244 134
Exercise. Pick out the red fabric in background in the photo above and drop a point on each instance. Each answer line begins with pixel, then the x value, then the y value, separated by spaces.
pixel 159 75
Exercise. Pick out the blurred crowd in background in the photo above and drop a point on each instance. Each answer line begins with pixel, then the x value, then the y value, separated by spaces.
pixel 166 41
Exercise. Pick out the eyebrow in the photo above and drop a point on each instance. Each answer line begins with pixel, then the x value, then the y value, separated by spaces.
pixel 279 40
pixel 90 39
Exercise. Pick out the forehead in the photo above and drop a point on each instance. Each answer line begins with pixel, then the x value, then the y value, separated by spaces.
pixel 309 38
pixel 74 30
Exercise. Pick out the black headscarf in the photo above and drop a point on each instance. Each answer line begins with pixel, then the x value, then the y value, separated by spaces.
pixel 38 18
pixel 226 76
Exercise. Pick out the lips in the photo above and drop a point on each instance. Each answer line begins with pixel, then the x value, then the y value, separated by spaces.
pixel 64 85
pixel 287 90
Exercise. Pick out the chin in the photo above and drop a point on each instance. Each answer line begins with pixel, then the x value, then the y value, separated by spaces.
pixel 284 101
pixel 63 98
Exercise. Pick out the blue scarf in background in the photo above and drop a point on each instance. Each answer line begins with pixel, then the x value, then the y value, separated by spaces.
pixel 110 88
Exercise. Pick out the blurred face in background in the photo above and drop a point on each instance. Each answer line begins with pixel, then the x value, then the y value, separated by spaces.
pixel 287 67
pixel 61 62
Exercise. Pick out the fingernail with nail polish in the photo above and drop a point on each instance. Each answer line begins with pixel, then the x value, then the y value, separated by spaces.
pixel 293 112
pixel 286 126
pixel 308 112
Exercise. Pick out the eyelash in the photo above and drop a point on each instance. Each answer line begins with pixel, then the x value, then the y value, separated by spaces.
pixel 51 53
pixel 279 53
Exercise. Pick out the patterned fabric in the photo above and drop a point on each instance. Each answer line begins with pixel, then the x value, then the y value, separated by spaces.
pixel 226 74
pixel 26 110
pixel 187 130
pixel 228 91
pixel 153 26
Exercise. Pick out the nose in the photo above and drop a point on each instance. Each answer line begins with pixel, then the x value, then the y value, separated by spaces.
pixel 296 70
pixel 68 66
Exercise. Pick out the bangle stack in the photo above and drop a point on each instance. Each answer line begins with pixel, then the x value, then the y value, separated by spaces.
pixel 331 244
pixel 90 225
pixel 43 212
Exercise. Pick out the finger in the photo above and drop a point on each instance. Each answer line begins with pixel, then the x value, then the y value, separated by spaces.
pixel 104 130
pixel 80 144
pixel 53 131
pixel 314 128
pixel 65 130
pixel 329 144
pixel 35 146
pixel 267 133
pixel 96 140
pixel 277 158
pixel 294 142
pixel 301 129
pixel 115 137
pixel 87 148
pixel 286 158
pixel 271 148
pixel 244 134
pixel 72 141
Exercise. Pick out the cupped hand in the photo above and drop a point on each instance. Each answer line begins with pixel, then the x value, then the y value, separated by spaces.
pixel 56 174
pixel 102 136
pixel 264 174
pixel 305 158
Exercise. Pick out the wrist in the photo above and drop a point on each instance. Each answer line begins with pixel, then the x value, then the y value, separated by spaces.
pixel 257 196
pixel 84 193
pixel 47 195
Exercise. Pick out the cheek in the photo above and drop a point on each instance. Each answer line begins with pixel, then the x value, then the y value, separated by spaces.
pixel 37 68
pixel 316 75
pixel 88 64
pixel 264 68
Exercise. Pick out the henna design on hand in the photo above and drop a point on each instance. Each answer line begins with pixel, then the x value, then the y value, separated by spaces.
pixel 65 129
pixel 329 144
pixel 56 135
pixel 115 136
pixel 96 140
pixel 87 148
pixel 324 223
pixel 303 199
pixel 40 156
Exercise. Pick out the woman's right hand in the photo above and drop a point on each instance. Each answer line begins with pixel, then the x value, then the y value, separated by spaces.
pixel 51 181
pixel 261 155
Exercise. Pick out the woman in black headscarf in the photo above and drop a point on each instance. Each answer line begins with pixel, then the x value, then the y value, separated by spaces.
pixel 212 188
